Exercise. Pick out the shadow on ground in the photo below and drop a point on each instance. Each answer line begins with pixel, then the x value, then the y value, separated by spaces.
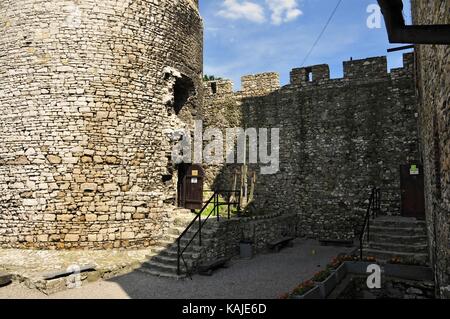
pixel 266 276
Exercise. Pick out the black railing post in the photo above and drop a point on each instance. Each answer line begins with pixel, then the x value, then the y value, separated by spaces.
pixel 361 249
pixel 200 228
pixel 178 258
pixel 217 207
pixel 379 199
pixel 239 202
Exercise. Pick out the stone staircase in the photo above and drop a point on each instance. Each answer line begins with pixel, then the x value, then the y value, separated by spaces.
pixel 398 237
pixel 163 259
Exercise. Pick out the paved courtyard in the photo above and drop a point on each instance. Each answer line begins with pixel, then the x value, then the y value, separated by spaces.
pixel 266 276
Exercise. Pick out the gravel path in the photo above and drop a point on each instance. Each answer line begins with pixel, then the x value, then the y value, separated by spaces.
pixel 264 277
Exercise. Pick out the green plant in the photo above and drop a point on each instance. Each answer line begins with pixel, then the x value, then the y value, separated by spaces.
pixel 369 259
pixel 348 258
pixel 356 258
pixel 335 263
pixel 207 78
pixel 322 275
pixel 404 261
pixel 303 288
pixel 223 209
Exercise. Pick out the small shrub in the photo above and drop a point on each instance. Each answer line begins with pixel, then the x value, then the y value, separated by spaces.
pixel 335 263
pixel 322 275
pixel 303 288
pixel 404 261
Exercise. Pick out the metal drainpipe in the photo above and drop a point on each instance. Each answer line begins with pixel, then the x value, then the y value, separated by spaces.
pixel 398 32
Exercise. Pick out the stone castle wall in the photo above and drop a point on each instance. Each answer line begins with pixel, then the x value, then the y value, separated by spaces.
pixel 433 84
pixel 338 137
pixel 89 93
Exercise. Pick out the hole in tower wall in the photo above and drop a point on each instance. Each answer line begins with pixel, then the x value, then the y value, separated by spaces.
pixel 214 87
pixel 183 89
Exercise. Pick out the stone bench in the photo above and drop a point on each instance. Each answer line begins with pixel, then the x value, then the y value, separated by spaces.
pixel 208 268
pixel 277 245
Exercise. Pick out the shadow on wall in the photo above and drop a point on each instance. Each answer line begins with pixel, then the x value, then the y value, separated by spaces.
pixel 338 139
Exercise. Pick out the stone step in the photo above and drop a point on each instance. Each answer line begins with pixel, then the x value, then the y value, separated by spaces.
pixel 400 231
pixel 174 235
pixel 167 260
pixel 207 230
pixel 419 249
pixel 161 273
pixel 184 241
pixel 382 255
pixel 388 238
pixel 169 247
pixel 162 267
pixel 172 259
pixel 398 222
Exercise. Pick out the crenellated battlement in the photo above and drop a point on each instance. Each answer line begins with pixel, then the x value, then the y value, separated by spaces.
pixel 375 68
pixel 364 69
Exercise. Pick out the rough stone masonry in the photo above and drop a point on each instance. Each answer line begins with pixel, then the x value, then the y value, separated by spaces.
pixel 90 92
pixel 433 87
pixel 338 138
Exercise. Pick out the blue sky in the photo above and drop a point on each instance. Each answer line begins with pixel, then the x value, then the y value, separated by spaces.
pixel 253 36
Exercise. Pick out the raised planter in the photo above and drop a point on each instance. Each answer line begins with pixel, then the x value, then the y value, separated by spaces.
pixel 410 272
pixel 358 267
pixel 340 272
pixel 328 285
pixel 314 293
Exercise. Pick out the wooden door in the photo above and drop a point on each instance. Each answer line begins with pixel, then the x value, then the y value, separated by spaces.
pixel 412 191
pixel 190 186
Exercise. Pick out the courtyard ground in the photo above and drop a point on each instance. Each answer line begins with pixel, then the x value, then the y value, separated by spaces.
pixel 266 276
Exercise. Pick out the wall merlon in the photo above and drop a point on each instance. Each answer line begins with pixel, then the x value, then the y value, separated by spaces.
pixel 315 73
pixel 408 60
pixel 260 84
pixel 367 68
pixel 219 87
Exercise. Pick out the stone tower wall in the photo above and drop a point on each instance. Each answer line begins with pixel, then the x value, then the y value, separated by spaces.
pixel 89 93
pixel 433 88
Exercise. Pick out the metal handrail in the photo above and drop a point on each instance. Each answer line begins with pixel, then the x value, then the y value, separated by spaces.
pixel 373 209
pixel 215 199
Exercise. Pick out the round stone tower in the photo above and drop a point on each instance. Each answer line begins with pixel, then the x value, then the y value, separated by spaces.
pixel 90 91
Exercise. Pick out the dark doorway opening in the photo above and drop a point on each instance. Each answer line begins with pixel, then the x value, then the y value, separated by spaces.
pixel 412 191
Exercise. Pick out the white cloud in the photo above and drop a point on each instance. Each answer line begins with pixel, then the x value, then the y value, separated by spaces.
pixel 233 9
pixel 283 10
